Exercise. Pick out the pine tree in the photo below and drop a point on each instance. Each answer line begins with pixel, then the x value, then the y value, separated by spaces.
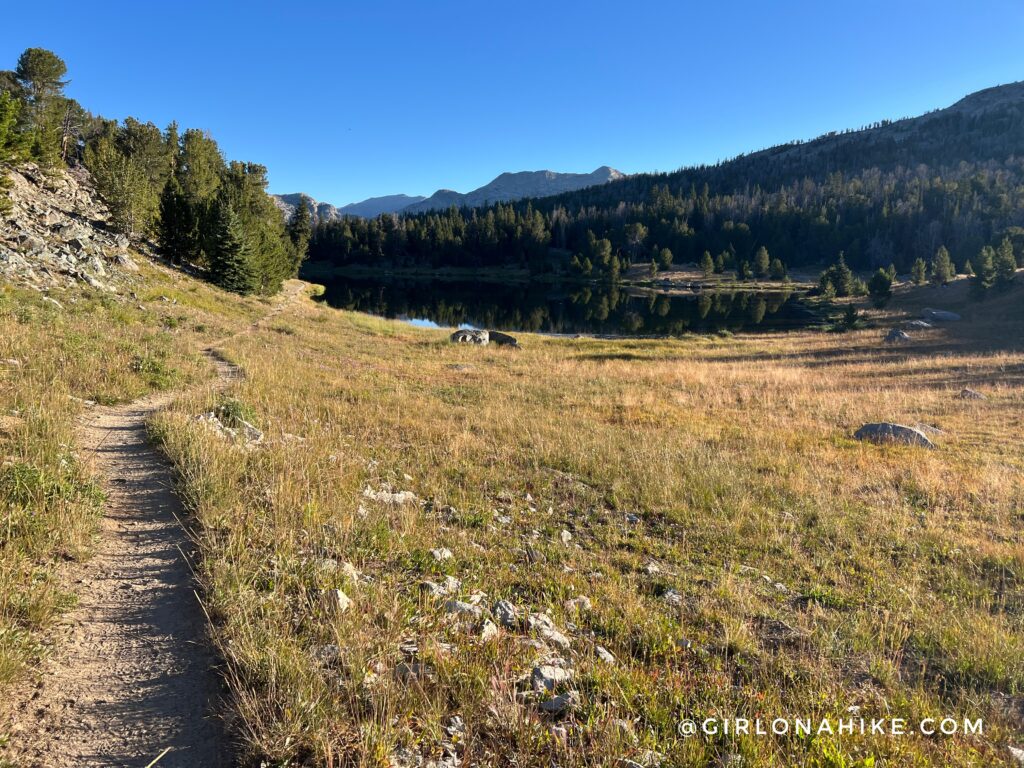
pixel 1004 264
pixel 919 272
pixel 12 144
pixel 777 270
pixel 707 264
pixel 300 230
pixel 122 183
pixel 880 288
pixel 664 258
pixel 984 273
pixel 175 225
pixel 762 262
pixel 231 261
pixel 891 272
pixel 837 280
pixel 942 269
pixel 40 74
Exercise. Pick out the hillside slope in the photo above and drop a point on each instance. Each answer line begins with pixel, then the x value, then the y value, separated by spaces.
pixel 988 124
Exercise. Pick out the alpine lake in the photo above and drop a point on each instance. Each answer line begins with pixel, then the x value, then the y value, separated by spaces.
pixel 589 309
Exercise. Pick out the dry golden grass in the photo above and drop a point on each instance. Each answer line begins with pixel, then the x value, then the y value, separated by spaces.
pixel 813 572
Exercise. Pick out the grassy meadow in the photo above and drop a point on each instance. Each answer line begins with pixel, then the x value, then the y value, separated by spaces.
pixel 682 528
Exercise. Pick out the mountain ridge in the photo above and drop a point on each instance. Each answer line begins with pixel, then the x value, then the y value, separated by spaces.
pixel 507 186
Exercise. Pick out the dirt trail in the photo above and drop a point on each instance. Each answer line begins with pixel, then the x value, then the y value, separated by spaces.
pixel 133 679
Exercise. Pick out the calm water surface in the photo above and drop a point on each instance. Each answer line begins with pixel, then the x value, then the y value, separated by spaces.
pixel 565 308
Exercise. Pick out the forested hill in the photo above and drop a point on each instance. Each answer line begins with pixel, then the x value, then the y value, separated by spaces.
pixel 987 125
pixel 888 194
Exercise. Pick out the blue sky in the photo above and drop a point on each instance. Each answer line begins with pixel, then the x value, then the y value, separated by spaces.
pixel 348 100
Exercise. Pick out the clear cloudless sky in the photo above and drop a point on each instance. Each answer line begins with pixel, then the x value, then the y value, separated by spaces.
pixel 347 100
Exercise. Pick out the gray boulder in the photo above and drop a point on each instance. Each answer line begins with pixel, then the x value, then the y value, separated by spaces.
pixel 886 432
pixel 896 336
pixel 470 336
pixel 970 394
pixel 940 315
pixel 503 339
pixel 920 325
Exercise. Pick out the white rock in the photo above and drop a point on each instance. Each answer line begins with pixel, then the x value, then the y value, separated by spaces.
pixel 550 676
pixel 460 608
pixel 441 554
pixel 673 598
pixel 335 601
pixel 489 631
pixel 560 703
pixel 581 603
pixel 605 655
pixel 394 499
pixel 506 614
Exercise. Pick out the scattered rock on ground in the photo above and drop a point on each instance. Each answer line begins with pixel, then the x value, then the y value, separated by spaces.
pixel 391 498
pixel 460 608
pixel 940 315
pixel 581 603
pixel 244 433
pixel 896 336
pixel 887 432
pixel 551 675
pixel 441 554
pixel 605 655
pixel 335 601
pixel 673 598
pixel 970 394
pixel 506 614
pixel 920 325
pixel 328 654
pixel 489 631
pixel 556 705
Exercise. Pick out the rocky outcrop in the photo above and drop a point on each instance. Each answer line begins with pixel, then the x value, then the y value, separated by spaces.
pixel 503 339
pixel 896 336
pixel 56 235
pixel 470 336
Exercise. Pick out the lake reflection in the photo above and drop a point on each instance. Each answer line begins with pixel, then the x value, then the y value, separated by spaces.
pixel 565 308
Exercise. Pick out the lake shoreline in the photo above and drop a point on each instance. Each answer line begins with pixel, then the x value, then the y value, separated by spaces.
pixel 666 282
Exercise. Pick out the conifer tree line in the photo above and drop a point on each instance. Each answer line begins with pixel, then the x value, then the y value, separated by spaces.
pixel 177 188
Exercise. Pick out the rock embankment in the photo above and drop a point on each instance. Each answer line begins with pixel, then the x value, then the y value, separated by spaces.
pixel 56 234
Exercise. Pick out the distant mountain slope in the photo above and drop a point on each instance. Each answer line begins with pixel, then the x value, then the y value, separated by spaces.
pixel 507 186
pixel 516 186
pixel 988 124
pixel 375 206
pixel 368 208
